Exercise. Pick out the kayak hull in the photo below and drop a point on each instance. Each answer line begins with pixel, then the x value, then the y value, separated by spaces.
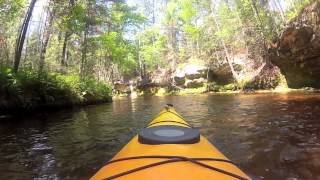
pixel 175 170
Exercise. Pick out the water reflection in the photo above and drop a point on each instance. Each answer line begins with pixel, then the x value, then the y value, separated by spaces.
pixel 272 136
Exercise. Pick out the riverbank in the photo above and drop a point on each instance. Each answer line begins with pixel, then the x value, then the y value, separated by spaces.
pixel 204 90
pixel 30 91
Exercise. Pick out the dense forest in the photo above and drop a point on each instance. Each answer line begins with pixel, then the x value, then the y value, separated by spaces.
pixel 77 50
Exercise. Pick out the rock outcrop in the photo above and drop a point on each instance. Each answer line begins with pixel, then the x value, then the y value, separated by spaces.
pixel 157 78
pixel 297 51
pixel 193 71
pixel 191 76
pixel 222 74
pixel 121 87
pixel 185 76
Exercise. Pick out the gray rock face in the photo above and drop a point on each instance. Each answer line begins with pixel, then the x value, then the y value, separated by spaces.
pixel 190 76
pixel 180 78
pixel 222 75
pixel 157 78
pixel 195 71
pixel 160 77
pixel 297 52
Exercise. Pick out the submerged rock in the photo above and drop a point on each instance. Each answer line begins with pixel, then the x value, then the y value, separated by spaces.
pixel 297 51
pixel 305 161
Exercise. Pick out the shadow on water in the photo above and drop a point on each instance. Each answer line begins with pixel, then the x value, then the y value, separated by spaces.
pixel 271 136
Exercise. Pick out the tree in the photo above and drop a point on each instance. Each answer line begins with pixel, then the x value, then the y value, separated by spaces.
pixel 67 35
pixel 111 40
pixel 46 37
pixel 9 16
pixel 22 36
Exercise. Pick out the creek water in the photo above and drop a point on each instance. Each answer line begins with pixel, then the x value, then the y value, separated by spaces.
pixel 271 136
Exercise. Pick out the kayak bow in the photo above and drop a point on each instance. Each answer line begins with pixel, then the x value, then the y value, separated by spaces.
pixel 169 148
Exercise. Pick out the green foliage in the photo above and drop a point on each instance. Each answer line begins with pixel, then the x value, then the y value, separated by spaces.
pixel 83 86
pixel 75 20
pixel 295 8
pixel 28 89
pixel 191 31
pixel 109 40
pixel 214 87
pixel 152 47
pixel 122 17
pixel 171 10
pixel 229 24
pixel 187 12
pixel 129 65
pixel 10 9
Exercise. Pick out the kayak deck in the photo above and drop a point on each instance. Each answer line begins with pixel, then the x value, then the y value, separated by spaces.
pixel 174 170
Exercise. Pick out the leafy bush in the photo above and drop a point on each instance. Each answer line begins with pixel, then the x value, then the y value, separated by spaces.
pixel 82 86
pixel 28 89
pixel 214 87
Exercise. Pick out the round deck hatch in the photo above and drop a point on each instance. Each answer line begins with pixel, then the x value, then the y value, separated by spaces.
pixel 169 135
pixel 168 132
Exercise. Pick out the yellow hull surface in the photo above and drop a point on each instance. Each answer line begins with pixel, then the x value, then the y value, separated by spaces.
pixel 183 169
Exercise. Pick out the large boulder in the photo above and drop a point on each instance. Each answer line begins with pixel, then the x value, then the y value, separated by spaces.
pixel 193 71
pixel 121 87
pixel 179 77
pixel 297 51
pixel 157 78
pixel 190 75
pixel 221 74
pixel 187 73
pixel 160 77
pixel 269 77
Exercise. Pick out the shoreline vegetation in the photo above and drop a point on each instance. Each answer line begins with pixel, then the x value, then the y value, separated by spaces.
pixel 161 92
pixel 28 91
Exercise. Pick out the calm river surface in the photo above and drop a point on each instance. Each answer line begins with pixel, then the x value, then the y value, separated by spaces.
pixel 271 136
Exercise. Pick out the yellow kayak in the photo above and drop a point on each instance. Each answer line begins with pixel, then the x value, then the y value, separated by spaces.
pixel 169 148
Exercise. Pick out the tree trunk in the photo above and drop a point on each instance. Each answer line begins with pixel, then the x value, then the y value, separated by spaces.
pixel 228 57
pixel 7 55
pixel 45 42
pixel 26 50
pixel 171 46
pixel 140 60
pixel 64 56
pixel 22 36
pixel 261 27
pixel 1 59
pixel 84 51
pixel 4 51
pixel 64 50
